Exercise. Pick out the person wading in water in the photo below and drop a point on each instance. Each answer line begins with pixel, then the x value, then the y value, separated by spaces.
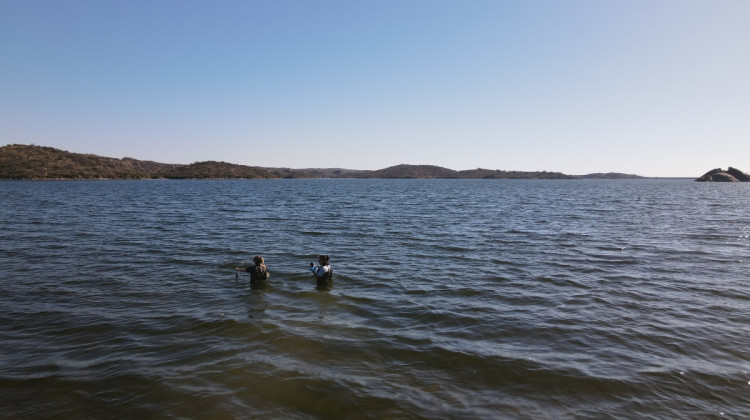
pixel 258 272
pixel 323 272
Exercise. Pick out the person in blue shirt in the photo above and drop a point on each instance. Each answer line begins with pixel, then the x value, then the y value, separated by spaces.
pixel 323 272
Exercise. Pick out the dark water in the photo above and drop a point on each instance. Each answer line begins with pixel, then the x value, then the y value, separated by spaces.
pixel 451 299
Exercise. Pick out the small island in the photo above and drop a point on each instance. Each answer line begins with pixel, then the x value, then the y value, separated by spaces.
pixel 720 175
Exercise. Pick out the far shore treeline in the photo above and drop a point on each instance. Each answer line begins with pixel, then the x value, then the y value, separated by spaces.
pixel 32 162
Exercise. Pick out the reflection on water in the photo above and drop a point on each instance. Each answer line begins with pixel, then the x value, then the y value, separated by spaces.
pixel 324 285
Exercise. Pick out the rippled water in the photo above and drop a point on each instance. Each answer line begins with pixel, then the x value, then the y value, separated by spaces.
pixel 451 299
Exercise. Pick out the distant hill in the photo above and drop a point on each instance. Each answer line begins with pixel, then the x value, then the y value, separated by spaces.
pixel 437 172
pixel 609 175
pixel 429 171
pixel 39 162
pixel 496 174
pixel 216 170
pixel 411 171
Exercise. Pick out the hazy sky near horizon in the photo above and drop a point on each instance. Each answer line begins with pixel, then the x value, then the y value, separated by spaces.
pixel 655 88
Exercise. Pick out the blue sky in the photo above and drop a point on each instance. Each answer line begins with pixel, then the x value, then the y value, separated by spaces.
pixel 656 88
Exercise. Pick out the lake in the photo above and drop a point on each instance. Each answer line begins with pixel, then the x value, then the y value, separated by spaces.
pixel 462 299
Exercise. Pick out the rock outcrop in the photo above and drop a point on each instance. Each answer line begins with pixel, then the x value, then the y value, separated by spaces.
pixel 720 175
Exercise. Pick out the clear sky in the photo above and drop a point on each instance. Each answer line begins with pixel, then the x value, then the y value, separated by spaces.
pixel 651 87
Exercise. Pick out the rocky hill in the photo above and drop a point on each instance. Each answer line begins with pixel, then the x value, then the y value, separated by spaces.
pixel 720 175
pixel 38 162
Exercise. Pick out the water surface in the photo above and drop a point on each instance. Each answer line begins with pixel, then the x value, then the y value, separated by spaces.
pixel 451 299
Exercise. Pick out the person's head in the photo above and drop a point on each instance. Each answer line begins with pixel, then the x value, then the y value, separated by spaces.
pixel 323 259
pixel 258 260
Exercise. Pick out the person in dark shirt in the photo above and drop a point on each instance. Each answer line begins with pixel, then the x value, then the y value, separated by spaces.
pixel 258 272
